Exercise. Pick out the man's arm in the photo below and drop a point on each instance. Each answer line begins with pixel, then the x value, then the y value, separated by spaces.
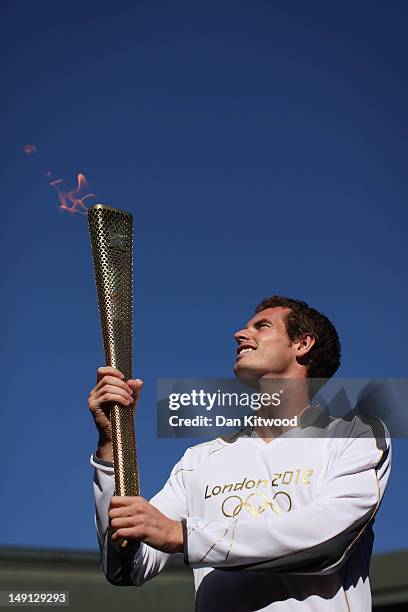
pixel 146 562
pixel 138 561
pixel 316 538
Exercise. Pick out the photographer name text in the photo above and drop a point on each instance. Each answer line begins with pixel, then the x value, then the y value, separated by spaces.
pixel 222 421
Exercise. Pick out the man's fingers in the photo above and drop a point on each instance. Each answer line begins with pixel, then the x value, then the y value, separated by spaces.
pixel 104 370
pixel 135 384
pixel 132 386
pixel 107 400
pixel 113 381
pixel 122 521
pixel 121 511
pixel 110 390
pixel 126 500
pixel 129 533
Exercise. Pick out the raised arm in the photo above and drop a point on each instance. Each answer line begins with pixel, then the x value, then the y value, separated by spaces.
pixel 140 562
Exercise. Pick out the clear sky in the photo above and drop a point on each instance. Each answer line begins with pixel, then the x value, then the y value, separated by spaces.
pixel 260 146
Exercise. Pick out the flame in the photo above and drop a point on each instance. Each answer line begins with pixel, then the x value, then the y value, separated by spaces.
pixel 73 201
pixel 30 149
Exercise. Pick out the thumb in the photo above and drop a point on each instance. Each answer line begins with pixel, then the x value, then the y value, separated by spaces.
pixel 135 384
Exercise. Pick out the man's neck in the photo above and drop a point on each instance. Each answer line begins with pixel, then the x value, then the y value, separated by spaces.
pixel 289 397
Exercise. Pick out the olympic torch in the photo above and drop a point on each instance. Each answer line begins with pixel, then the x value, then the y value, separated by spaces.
pixel 111 233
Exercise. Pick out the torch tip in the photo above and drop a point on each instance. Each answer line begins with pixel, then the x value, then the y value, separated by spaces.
pixel 106 207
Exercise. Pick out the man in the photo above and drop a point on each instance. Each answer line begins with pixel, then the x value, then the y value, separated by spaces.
pixel 271 518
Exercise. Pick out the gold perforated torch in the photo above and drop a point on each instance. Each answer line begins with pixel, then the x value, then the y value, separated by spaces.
pixel 111 233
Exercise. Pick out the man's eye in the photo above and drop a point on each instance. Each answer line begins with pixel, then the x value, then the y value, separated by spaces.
pixel 264 325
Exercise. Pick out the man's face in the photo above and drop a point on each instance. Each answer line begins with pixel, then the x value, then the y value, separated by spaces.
pixel 264 348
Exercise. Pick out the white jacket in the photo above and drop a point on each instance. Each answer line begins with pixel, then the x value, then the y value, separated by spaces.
pixel 285 525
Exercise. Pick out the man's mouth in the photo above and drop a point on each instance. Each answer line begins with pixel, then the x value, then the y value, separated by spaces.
pixel 245 348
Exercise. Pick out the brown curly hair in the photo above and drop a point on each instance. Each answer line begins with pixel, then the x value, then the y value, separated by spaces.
pixel 324 356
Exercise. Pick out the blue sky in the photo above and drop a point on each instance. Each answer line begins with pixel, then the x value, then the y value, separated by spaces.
pixel 261 148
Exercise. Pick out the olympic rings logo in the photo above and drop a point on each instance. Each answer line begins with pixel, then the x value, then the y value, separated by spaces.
pixel 279 503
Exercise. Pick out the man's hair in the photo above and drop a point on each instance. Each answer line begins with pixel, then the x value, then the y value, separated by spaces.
pixel 323 358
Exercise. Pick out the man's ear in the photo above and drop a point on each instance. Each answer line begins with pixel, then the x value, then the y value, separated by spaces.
pixel 304 345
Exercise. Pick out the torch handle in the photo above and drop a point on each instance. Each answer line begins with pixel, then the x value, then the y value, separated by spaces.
pixel 124 451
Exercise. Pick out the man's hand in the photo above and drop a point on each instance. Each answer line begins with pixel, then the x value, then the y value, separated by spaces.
pixel 110 388
pixel 133 518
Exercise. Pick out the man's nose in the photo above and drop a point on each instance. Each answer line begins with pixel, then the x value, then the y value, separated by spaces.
pixel 242 335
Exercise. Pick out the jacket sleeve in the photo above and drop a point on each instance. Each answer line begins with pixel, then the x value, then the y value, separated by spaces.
pixel 138 562
pixel 316 538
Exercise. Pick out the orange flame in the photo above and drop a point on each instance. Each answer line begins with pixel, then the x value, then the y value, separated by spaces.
pixel 30 149
pixel 73 201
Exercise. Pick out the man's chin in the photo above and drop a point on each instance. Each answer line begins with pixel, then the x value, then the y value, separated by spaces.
pixel 247 377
